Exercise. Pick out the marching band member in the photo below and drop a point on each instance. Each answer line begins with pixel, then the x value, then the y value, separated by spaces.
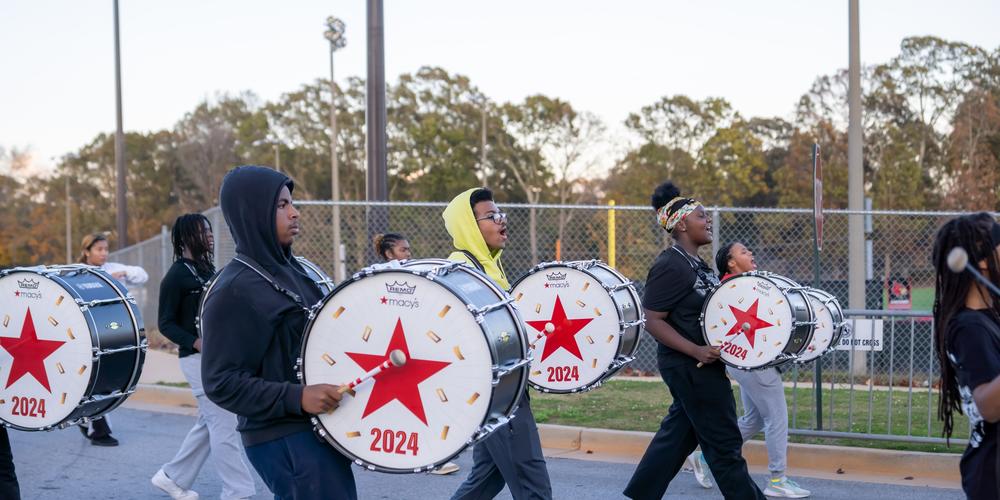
pixel 253 322
pixel 763 395
pixel 967 343
pixel 215 430
pixel 703 409
pixel 391 246
pixel 95 253
pixel 8 476
pixel 511 455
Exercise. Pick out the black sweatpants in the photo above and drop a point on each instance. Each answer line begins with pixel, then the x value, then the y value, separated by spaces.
pixel 703 412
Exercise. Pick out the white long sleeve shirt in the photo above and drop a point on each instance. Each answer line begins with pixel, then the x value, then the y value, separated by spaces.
pixel 134 275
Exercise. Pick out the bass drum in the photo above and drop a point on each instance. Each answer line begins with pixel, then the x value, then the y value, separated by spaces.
pixel 758 319
pixel 466 368
pixel 595 317
pixel 830 325
pixel 316 274
pixel 72 345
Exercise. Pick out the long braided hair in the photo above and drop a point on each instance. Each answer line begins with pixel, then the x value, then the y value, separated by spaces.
pixel 974 233
pixel 189 233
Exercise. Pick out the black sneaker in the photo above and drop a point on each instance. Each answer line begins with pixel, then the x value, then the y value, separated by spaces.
pixel 106 440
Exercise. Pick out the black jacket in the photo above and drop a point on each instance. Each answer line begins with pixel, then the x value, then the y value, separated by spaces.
pixel 180 296
pixel 252 333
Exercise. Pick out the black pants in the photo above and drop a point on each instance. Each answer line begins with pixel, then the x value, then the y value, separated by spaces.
pixel 9 489
pixel 98 428
pixel 511 455
pixel 703 412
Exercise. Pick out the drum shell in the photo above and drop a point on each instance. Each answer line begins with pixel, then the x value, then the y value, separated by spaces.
pixel 838 317
pixel 316 274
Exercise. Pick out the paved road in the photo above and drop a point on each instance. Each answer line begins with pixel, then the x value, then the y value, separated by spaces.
pixel 61 464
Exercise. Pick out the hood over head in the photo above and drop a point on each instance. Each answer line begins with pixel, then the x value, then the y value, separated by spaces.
pixel 460 221
pixel 249 197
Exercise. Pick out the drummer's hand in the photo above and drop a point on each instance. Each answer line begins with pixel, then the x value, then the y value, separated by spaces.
pixel 197 345
pixel 707 354
pixel 320 398
pixel 119 275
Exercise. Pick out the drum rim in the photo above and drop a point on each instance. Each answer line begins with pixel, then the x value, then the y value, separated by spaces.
pixel 327 436
pixel 54 273
pixel 325 279
pixel 632 292
pixel 767 276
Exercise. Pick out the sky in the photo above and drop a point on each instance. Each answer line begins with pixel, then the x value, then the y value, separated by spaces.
pixel 610 58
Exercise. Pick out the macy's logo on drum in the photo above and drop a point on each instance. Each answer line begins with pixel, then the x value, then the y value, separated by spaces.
pixel 558 277
pixel 402 288
pixel 409 304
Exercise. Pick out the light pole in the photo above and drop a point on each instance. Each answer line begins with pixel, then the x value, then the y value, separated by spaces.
pixel 334 33
pixel 119 146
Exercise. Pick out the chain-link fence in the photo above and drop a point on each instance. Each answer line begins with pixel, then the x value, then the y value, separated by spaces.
pixel 897 254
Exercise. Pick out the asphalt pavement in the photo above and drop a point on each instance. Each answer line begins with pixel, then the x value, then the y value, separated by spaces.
pixel 62 464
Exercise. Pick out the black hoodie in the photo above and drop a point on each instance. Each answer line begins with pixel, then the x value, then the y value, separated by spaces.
pixel 251 332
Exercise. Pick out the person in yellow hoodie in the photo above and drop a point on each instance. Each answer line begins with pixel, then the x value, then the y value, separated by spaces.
pixel 511 455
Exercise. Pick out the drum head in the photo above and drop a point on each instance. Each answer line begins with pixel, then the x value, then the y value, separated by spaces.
pixel 45 350
pixel 585 326
pixel 749 318
pixel 410 417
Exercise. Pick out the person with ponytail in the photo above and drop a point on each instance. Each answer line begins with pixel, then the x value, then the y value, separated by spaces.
pixel 703 409
pixel 215 430
pixel 967 344
pixel 763 395
pixel 391 246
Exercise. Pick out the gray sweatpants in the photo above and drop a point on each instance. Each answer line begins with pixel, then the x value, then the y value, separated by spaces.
pixel 764 407
pixel 214 432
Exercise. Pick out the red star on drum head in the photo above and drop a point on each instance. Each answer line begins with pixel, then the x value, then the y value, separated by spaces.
pixel 398 383
pixel 564 334
pixel 29 354
pixel 748 317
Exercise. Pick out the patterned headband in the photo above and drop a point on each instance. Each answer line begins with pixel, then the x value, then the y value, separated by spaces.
pixel 668 220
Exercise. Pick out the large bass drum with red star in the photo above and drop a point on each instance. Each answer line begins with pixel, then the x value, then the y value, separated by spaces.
pixel 466 363
pixel 585 319
pixel 72 343
pixel 758 319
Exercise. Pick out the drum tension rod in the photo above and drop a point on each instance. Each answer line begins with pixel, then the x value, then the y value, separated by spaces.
pixel 503 371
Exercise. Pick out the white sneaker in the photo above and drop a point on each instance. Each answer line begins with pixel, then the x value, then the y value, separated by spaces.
pixel 444 470
pixel 702 474
pixel 785 488
pixel 161 481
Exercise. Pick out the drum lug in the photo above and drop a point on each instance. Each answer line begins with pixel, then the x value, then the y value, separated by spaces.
pixel 493 425
pixel 626 325
pixel 488 308
pixel 584 264
pixel 620 286
pixel 503 371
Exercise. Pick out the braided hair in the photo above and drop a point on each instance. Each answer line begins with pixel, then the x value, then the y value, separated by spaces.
pixel 189 233
pixel 722 258
pixel 385 242
pixel 974 233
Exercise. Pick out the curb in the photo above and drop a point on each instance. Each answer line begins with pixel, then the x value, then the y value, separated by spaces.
pixel 811 460
pixel 826 461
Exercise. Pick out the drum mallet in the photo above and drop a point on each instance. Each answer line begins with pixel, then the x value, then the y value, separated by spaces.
pixel 397 358
pixel 744 328
pixel 958 261
pixel 549 328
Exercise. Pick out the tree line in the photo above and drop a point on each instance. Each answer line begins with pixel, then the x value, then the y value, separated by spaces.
pixel 931 133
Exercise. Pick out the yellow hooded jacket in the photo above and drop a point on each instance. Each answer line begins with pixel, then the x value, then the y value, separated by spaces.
pixel 461 224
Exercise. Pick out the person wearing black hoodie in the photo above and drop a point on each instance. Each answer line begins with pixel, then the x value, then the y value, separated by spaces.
pixel 253 322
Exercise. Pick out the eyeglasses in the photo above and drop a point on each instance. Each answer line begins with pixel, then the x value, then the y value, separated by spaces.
pixel 498 217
